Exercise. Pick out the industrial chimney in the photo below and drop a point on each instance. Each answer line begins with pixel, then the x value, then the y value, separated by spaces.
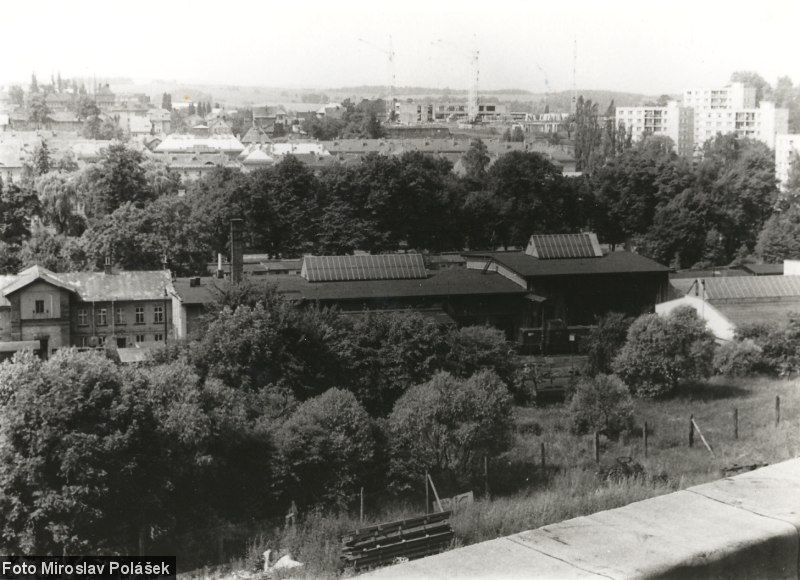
pixel 237 251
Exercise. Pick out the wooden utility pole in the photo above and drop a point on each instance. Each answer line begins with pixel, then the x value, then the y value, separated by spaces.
pixel 596 447
pixel 691 430
pixel 735 423
pixel 544 465
pixel 777 409
pixel 362 504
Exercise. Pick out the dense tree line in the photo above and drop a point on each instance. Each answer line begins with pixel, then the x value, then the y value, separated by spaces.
pixel 273 404
pixel 722 208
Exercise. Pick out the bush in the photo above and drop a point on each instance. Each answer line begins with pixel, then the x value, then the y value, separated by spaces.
pixel 475 348
pixel 603 404
pixel 448 424
pixel 739 359
pixel 780 346
pixel 325 449
pixel 605 340
pixel 663 351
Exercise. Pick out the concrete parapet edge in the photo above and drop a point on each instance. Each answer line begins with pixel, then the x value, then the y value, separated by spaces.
pixel 747 526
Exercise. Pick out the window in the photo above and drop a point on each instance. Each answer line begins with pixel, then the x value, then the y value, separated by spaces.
pixel 83 341
pixel 158 337
pixel 140 338
pixel 140 315
pixel 101 341
pixel 102 317
pixel 120 316
pixel 83 318
pixel 38 307
pixel 158 314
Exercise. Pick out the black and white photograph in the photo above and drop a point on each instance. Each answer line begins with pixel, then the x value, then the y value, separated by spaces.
pixel 422 289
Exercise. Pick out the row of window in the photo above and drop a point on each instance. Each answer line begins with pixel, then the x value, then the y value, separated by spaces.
pixel 101 316
pixel 85 341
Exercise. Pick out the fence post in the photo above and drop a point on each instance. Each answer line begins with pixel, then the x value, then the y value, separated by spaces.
pixel 777 409
pixel 544 466
pixel 486 475
pixel 644 436
pixel 735 423
pixel 596 447
pixel 427 498
pixel 691 430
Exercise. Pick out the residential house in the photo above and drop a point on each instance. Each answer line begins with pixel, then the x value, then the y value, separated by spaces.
pixel 85 309
pixel 268 116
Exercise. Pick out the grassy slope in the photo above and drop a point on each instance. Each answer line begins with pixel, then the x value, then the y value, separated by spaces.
pixel 570 487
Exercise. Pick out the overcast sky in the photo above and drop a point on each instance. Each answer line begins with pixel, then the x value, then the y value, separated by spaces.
pixel 627 45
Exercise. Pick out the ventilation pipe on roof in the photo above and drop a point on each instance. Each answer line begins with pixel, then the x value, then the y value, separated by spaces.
pixel 107 266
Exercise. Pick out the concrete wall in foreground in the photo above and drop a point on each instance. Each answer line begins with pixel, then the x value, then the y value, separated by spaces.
pixel 740 527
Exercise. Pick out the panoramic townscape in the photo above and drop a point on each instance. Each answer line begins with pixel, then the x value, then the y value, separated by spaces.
pixel 308 332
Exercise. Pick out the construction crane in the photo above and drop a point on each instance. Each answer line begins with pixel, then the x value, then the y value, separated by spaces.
pixel 473 109
pixel 389 52
pixel 546 83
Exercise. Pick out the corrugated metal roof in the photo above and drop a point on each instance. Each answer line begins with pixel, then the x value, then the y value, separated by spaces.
pixel 96 286
pixel 749 287
pixel 612 263
pixel 561 246
pixel 369 267
pixel 448 282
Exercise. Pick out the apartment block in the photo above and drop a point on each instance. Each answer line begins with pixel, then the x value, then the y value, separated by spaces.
pixel 786 146
pixel 673 121
pixel 762 123
pixel 734 96
pixel 734 109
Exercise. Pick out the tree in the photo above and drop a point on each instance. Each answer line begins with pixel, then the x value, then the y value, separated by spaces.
pixel 325 449
pixel 779 239
pixel 533 197
pixel 17 95
pixel 38 111
pixel 387 353
pixel 475 348
pixel 587 133
pixel 753 79
pixel 34 88
pixel 602 404
pixel 59 199
pixel 76 446
pixel 605 341
pixel 17 207
pixel 103 128
pixel 54 251
pixel 42 163
pixel 273 347
pixel 630 187
pixel 118 177
pixel 85 107
pixel 448 425
pixel 476 161
pixel 663 351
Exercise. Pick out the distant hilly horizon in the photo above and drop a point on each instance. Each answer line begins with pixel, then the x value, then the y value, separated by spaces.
pixel 248 96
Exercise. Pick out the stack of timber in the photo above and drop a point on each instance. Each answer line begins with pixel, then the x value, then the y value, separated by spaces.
pixel 411 538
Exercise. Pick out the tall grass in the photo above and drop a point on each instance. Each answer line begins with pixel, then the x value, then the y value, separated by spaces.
pixel 570 486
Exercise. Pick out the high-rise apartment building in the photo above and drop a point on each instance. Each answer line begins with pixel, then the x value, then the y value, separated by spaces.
pixel 703 114
pixel 786 146
pixel 672 120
